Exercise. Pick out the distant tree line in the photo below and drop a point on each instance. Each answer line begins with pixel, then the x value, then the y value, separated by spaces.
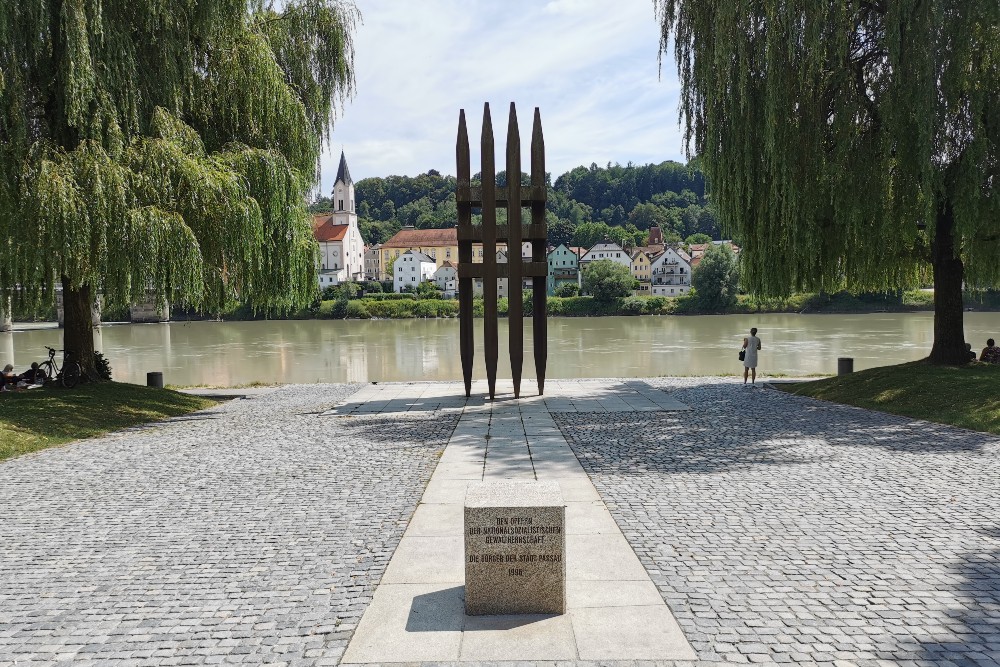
pixel 585 205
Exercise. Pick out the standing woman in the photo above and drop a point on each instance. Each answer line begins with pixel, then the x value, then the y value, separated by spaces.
pixel 751 344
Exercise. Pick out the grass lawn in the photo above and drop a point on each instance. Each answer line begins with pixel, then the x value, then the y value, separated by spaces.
pixel 39 418
pixel 966 396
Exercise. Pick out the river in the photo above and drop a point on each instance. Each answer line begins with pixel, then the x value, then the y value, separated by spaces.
pixel 234 353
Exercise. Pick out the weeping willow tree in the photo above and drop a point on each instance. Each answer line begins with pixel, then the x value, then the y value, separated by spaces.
pixel 164 148
pixel 849 142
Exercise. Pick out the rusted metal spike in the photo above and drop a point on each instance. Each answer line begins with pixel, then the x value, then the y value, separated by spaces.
pixel 537 152
pixel 539 319
pixel 489 251
pixel 466 338
pixel 515 307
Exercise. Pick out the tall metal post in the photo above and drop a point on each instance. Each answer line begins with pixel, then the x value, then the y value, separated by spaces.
pixel 488 197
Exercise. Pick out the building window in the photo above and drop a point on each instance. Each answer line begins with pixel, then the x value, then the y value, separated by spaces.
pixel 340 204
pixel 447 254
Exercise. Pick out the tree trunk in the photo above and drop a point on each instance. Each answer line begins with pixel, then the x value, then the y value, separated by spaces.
pixel 949 335
pixel 78 327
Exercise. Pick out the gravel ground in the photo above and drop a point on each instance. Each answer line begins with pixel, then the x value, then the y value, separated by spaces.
pixel 253 532
pixel 782 529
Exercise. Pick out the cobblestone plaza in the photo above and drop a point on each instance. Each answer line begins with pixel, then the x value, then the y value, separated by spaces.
pixel 776 529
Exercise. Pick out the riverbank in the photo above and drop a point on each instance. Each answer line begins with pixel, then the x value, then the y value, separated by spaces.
pixel 407 306
pixel 39 418
pixel 965 396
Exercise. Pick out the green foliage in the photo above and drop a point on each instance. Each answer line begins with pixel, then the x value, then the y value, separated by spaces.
pixel 102 365
pixel 606 280
pixel 868 125
pixel 391 296
pixel 634 305
pixel 698 238
pixel 716 278
pixel 358 310
pixel 567 290
pixel 345 290
pixel 670 195
pixel 428 290
pixel 167 147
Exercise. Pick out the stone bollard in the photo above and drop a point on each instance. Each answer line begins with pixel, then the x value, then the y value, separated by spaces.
pixel 845 365
pixel 154 379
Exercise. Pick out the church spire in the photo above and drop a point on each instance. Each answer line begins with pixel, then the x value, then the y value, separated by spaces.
pixel 343 174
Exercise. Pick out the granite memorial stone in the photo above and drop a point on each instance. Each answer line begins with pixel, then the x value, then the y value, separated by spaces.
pixel 515 548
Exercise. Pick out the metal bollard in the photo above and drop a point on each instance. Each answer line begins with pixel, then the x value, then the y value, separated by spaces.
pixel 845 365
pixel 154 379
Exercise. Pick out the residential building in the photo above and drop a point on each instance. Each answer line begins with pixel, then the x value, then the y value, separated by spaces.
pixel 411 269
pixel 446 279
pixel 564 267
pixel 441 245
pixel 502 283
pixel 606 250
pixel 642 267
pixel 670 273
pixel 373 262
pixel 341 247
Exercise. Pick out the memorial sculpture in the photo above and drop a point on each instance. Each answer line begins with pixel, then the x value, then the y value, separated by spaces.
pixel 513 196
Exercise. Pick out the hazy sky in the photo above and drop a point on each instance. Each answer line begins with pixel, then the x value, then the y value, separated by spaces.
pixel 590 66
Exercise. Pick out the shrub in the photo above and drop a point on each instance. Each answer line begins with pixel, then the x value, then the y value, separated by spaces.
pixel 567 289
pixel 358 310
pixel 634 305
pixel 102 366
pixel 373 287
pixel 389 296
pixel 606 280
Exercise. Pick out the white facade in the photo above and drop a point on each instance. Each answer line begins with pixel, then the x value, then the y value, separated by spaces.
pixel 611 251
pixel 411 269
pixel 342 251
pixel 446 279
pixel 671 274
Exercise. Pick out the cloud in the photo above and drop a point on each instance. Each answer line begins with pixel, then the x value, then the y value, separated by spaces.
pixel 592 70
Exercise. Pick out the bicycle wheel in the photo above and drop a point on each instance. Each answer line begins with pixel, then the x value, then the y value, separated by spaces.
pixel 71 374
pixel 44 372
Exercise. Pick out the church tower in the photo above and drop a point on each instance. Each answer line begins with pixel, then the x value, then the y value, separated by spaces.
pixel 343 195
pixel 347 252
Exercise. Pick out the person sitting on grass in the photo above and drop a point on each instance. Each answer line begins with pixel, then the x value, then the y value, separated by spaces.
pixel 991 353
pixel 7 378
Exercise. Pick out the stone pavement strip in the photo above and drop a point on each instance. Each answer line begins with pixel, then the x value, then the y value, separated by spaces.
pixel 778 530
pixel 614 611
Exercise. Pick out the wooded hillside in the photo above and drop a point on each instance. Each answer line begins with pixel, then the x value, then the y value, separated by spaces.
pixel 585 204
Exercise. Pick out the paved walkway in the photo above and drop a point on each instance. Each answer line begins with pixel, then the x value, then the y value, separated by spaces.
pixel 776 529
pixel 613 610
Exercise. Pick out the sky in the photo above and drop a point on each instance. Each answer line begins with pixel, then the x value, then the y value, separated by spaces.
pixel 590 67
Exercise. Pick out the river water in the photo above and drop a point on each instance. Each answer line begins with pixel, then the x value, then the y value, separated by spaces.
pixel 233 353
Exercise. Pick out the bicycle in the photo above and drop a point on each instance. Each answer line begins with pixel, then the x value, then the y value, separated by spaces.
pixel 68 374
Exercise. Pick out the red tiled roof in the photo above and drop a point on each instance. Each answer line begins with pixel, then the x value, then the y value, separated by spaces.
pixel 416 238
pixel 327 231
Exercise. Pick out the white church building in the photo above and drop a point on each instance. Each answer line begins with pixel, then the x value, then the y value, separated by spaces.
pixel 341 248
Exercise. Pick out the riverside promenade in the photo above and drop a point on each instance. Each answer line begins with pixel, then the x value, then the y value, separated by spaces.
pixel 707 522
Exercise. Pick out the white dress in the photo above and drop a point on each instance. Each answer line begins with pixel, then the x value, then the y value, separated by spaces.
pixel 751 358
